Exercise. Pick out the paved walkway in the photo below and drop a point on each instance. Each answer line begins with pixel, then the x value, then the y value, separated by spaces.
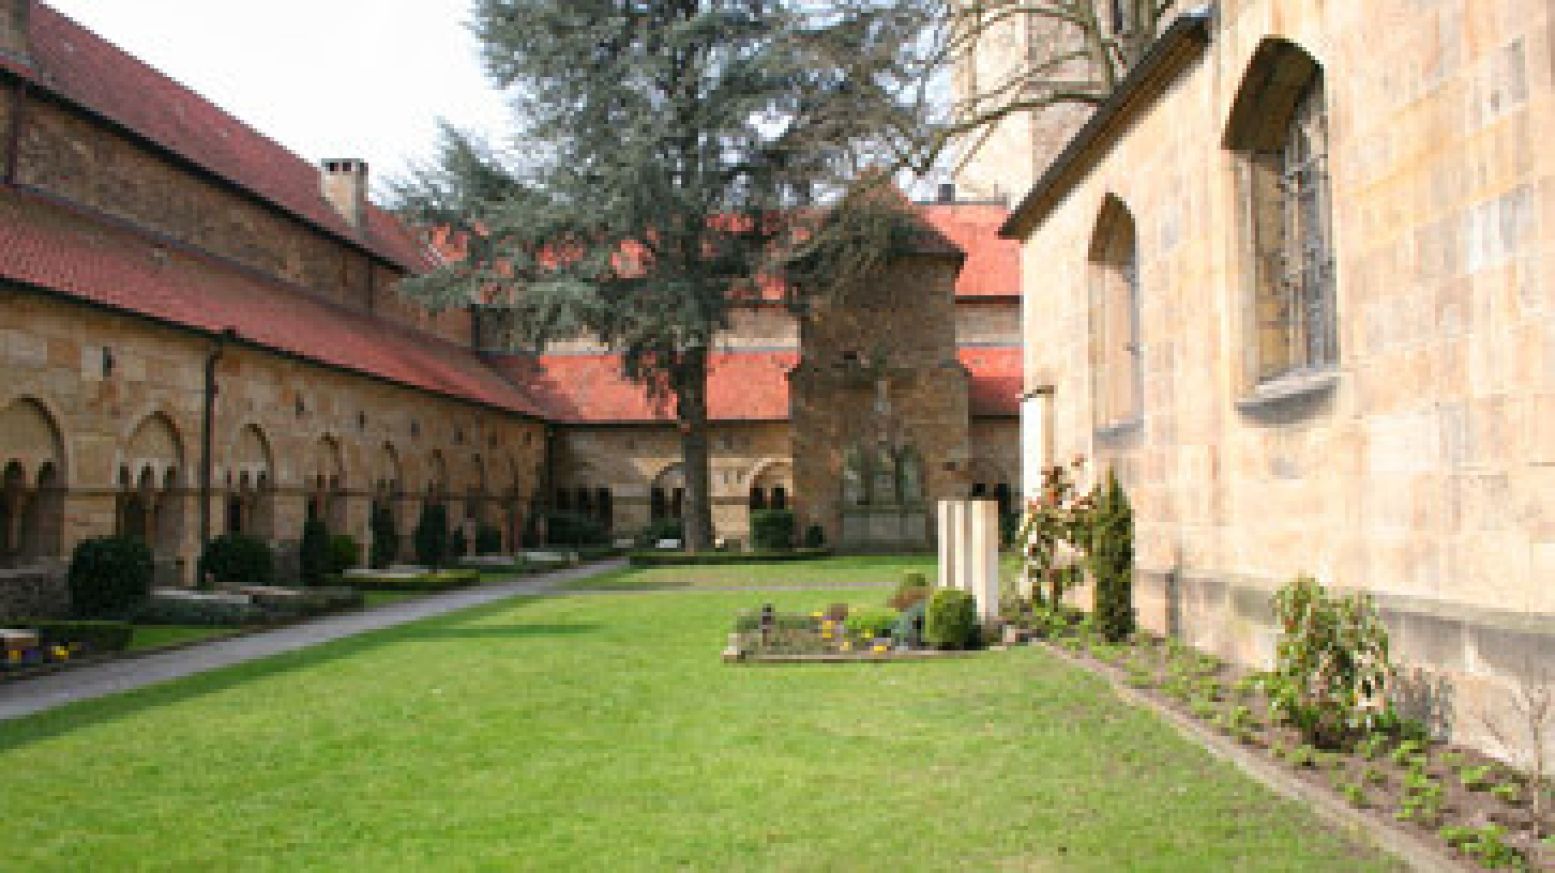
pixel 46 692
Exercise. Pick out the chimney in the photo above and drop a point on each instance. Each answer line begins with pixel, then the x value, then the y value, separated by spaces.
pixel 16 30
pixel 344 183
pixel 947 192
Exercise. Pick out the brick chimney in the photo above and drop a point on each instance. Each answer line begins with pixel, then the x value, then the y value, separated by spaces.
pixel 344 183
pixel 16 30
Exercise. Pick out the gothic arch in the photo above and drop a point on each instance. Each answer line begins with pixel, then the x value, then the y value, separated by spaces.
pixel 32 483
pixel 1278 74
pixel 1113 267
pixel 155 444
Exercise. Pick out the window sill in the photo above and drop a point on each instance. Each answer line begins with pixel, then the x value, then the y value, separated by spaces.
pixel 1119 430
pixel 1299 385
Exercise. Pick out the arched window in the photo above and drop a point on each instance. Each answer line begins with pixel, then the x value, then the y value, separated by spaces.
pixel 585 502
pixel 979 489
pixel 1114 293
pixel 658 504
pixel 1279 127
pixel 758 498
pixel 779 497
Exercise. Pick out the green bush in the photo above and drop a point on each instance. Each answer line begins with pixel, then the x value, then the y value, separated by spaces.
pixel 200 613
pixel 431 535
pixel 870 622
pixel 444 580
pixel 814 537
pixel 237 559
pixel 1112 561
pixel 661 529
pixel 313 552
pixel 343 553
pixel 572 529
pixel 950 622
pixel 458 544
pixel 1331 660
pixel 109 576
pixel 703 559
pixel 96 636
pixel 488 540
pixel 772 529
pixel 386 541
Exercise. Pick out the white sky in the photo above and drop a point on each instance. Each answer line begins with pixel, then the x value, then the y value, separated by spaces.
pixel 326 78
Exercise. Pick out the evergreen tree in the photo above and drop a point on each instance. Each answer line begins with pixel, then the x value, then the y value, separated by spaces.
pixel 1112 560
pixel 313 553
pixel 672 151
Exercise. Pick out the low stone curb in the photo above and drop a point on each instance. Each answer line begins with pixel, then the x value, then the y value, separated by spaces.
pixel 1407 847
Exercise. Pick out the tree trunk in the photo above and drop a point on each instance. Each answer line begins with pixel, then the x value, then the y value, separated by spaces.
pixel 692 410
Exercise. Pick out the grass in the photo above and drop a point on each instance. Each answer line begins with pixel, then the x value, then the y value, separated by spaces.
pixel 151 636
pixel 847 570
pixel 601 732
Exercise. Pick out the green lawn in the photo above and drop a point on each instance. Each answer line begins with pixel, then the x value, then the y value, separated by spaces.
pixel 149 636
pixel 848 570
pixel 602 733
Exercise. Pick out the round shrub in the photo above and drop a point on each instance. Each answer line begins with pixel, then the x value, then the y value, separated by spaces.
pixel 431 536
pixel 313 552
pixel 572 529
pixel 814 537
pixel 109 576
pixel 343 553
pixel 386 540
pixel 772 529
pixel 488 540
pixel 458 544
pixel 237 559
pixel 950 622
pixel 661 529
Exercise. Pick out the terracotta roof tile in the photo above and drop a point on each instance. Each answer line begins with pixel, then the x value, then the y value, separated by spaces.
pixel 996 380
pixel 88 70
pixel 50 247
pixel 589 389
pixel 992 265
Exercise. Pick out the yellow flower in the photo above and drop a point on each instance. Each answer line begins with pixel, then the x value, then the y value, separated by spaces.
pixel 816 614
pixel 847 646
pixel 61 653
pixel 14 656
pixel 880 648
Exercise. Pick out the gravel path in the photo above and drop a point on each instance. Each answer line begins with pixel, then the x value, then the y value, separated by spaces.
pixel 29 696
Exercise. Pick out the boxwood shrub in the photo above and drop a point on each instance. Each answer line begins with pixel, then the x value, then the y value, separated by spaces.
pixel 488 540
pixel 237 559
pixel 772 529
pixel 702 559
pixel 344 553
pixel 96 636
pixel 109 576
pixel 950 621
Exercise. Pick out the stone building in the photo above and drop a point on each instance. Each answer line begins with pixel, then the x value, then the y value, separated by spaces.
pixel 200 333
pixel 1296 289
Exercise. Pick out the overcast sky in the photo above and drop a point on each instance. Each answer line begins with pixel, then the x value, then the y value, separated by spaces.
pixel 326 78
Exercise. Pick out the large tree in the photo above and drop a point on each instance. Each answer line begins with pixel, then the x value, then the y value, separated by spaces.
pixel 669 161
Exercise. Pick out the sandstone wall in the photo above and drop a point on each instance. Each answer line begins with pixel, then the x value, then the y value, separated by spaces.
pixel 1423 473
pixel 53 354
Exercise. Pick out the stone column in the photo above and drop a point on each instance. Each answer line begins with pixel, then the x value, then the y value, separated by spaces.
pixel 982 556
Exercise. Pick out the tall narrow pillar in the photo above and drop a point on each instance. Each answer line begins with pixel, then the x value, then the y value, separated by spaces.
pixel 982 559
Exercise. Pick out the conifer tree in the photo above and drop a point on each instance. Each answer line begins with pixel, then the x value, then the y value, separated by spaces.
pixel 669 159
pixel 1112 560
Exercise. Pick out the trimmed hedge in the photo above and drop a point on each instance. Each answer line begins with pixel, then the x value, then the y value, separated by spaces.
pixel 431 536
pixel 386 541
pixel 236 559
pixel 814 537
pixel 706 559
pixel 109 576
pixel 571 529
pixel 488 540
pixel 950 622
pixel 201 613
pixel 96 636
pixel 443 580
pixel 772 529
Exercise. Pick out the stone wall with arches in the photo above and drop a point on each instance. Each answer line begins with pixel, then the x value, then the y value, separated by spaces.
pixel 101 430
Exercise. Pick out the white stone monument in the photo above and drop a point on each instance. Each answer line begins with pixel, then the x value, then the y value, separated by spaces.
pixel 969 551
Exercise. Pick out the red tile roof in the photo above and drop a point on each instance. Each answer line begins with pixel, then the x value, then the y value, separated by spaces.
pixel 996 380
pixel 589 389
pixel 55 248
pixel 992 265
pixel 87 70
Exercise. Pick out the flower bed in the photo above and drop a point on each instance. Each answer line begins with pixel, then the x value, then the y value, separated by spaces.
pixel 851 633
pixel 1472 805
